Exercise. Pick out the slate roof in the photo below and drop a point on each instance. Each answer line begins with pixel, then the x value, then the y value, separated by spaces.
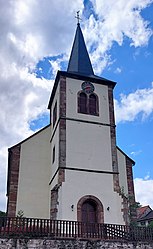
pixel 79 65
pixel 79 61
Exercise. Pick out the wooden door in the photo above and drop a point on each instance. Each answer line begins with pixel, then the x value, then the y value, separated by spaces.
pixel 89 216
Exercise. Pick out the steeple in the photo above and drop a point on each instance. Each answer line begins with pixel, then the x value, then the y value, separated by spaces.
pixel 79 61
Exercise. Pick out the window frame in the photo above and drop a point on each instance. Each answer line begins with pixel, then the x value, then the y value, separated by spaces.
pixel 53 155
pixel 88 111
pixel 96 112
pixel 55 113
pixel 80 106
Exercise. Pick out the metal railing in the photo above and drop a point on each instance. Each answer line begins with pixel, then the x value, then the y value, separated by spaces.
pixel 37 228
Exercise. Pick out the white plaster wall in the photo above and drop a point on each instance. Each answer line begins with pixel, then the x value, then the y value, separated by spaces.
pixel 55 138
pixel 88 146
pixel 122 171
pixel 61 203
pixel 73 86
pixel 78 184
pixel 33 195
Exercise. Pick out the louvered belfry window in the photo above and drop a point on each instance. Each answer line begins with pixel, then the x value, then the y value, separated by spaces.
pixel 82 102
pixel 88 103
pixel 92 104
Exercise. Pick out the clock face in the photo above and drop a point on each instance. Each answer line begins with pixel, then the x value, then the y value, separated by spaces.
pixel 87 87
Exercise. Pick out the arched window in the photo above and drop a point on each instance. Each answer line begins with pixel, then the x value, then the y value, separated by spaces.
pixel 82 102
pixel 92 104
pixel 88 104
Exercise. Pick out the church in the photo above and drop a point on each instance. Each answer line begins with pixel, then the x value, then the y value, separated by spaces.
pixel 72 169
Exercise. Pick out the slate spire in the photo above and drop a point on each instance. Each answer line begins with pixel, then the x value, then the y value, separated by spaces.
pixel 79 61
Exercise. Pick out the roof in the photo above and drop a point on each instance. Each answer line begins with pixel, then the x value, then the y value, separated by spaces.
pixel 79 61
pixel 79 66
pixel 34 134
pixel 148 216
pixel 18 144
pixel 133 162
pixel 143 211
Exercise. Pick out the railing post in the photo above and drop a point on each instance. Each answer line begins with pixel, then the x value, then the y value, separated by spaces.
pixel 105 231
pixel 132 232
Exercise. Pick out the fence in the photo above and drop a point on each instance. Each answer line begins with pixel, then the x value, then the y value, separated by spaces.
pixel 29 227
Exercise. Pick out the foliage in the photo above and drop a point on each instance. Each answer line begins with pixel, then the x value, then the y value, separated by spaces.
pixel 132 206
pixel 2 214
pixel 151 224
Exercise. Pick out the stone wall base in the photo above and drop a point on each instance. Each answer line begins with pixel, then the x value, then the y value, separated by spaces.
pixel 46 243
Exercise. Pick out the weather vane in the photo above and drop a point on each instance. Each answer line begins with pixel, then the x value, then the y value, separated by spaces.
pixel 78 17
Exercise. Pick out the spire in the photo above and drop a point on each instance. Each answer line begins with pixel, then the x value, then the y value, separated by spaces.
pixel 79 61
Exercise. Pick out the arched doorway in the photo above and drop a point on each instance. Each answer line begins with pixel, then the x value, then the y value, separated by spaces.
pixel 90 210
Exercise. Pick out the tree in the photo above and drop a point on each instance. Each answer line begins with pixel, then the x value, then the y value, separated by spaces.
pixel 132 207
pixel 151 224
pixel 133 212
pixel 2 214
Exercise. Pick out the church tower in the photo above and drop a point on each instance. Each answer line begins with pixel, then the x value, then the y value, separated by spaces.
pixel 88 171
pixel 72 168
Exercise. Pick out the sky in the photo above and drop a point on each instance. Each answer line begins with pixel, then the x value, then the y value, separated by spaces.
pixel 35 41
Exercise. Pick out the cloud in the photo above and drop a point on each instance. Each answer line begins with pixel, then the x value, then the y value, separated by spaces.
pixel 3 175
pixel 128 107
pixel 136 153
pixel 56 64
pixel 144 191
pixel 22 98
pixel 118 70
pixel 111 22
pixel 29 32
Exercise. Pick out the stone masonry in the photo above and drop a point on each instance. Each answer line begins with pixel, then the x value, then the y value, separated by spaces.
pixel 46 243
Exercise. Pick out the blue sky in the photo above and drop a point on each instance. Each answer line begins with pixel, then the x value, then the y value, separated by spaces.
pixel 136 65
pixel 119 38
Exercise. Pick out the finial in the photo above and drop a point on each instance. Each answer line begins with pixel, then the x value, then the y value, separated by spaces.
pixel 78 17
